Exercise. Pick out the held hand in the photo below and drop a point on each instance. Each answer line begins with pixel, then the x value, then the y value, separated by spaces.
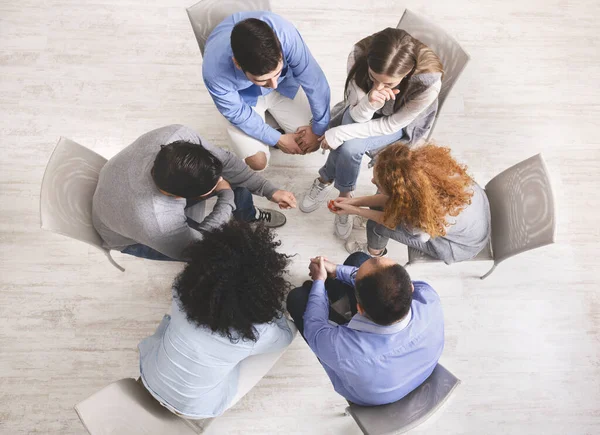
pixel 342 207
pixel 348 201
pixel 307 140
pixel 287 144
pixel 284 199
pixel 317 269
pixel 380 96
pixel 330 267
pixel 324 144
pixel 222 185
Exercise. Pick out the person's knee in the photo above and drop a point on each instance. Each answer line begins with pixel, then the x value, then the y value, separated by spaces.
pixel 258 161
pixel 352 150
pixel 371 226
pixel 297 300
pixel 356 259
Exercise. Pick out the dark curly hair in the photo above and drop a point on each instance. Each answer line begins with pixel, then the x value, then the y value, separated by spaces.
pixel 234 279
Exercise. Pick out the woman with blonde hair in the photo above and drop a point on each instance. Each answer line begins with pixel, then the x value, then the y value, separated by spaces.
pixel 426 200
pixel 391 94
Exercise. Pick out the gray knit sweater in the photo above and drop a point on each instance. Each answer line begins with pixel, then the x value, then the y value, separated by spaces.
pixel 128 208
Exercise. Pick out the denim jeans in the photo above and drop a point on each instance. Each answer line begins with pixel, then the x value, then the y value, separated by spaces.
pixel 343 164
pixel 244 211
pixel 378 236
pixel 298 298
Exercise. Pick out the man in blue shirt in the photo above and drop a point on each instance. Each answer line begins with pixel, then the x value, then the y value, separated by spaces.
pixel 394 339
pixel 249 56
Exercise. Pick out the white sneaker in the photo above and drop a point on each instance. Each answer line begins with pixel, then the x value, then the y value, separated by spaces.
pixel 353 246
pixel 343 226
pixel 316 195
pixel 359 222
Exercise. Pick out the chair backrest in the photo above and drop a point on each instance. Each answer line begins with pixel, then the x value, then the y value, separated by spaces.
pixel 126 407
pixel 453 57
pixel 522 208
pixel 67 190
pixel 411 410
pixel 207 14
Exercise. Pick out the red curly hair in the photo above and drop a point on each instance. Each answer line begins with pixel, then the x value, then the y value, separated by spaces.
pixel 424 186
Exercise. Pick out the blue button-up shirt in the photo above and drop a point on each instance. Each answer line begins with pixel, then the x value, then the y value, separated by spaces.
pixel 370 364
pixel 235 95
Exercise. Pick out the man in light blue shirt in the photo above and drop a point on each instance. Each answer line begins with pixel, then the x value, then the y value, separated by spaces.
pixel 256 62
pixel 393 341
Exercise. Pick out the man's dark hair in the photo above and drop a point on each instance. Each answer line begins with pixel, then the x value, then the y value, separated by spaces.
pixel 255 46
pixel 386 294
pixel 186 169
pixel 234 280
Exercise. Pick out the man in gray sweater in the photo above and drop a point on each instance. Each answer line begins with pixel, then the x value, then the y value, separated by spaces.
pixel 149 201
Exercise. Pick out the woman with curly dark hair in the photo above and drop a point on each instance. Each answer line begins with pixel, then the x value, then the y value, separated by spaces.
pixel 227 307
pixel 428 202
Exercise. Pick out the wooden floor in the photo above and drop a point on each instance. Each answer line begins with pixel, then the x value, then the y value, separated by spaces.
pixel 525 342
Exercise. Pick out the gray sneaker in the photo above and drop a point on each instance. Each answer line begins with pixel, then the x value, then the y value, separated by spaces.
pixel 343 226
pixel 353 246
pixel 316 195
pixel 270 218
pixel 360 222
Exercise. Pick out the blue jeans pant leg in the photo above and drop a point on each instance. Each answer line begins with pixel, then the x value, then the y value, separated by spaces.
pixel 143 251
pixel 378 236
pixel 244 205
pixel 343 163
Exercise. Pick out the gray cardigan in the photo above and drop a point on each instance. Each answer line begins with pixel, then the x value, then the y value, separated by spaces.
pixel 128 208
pixel 420 126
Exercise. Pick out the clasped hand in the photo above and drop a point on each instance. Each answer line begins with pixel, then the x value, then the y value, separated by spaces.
pixel 320 268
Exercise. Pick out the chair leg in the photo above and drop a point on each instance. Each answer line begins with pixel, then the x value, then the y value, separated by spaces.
pixel 489 272
pixel 198 426
pixel 113 262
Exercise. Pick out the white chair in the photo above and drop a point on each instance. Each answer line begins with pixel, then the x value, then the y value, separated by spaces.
pixel 454 58
pixel 411 410
pixel 67 190
pixel 522 209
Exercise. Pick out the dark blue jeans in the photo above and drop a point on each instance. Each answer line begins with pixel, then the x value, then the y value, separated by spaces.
pixel 298 298
pixel 244 211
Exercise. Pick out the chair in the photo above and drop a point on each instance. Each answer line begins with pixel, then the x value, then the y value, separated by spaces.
pixel 522 210
pixel 454 58
pixel 67 190
pixel 206 14
pixel 126 407
pixel 411 410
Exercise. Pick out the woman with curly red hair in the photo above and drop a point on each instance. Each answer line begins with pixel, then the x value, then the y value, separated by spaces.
pixel 425 200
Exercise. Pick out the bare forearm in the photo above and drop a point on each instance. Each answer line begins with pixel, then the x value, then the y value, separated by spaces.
pixel 378 200
pixel 374 215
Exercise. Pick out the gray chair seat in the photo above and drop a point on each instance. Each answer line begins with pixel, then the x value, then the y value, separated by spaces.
pixel 416 256
pixel 67 192
pixel 411 410
pixel 522 213
pixel 126 407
